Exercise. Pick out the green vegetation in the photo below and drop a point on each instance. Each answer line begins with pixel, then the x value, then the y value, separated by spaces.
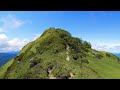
pixel 4 68
pixel 58 55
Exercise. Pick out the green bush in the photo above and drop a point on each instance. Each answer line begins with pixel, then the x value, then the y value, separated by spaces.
pixel 77 40
pixel 37 49
pixel 47 30
pixel 62 32
pixel 8 69
pixel 27 75
pixel 19 58
pixel 108 55
pixel 64 77
pixel 83 55
pixel 99 56
pixel 85 61
pixel 55 51
pixel 34 62
pixel 32 53
pixel 73 44
pixel 87 44
pixel 67 38
pixel 75 56
pixel 85 49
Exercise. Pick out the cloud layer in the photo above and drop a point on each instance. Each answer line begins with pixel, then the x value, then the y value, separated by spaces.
pixel 11 44
pixel 114 48
pixel 7 23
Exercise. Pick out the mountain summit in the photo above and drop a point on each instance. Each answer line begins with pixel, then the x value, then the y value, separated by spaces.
pixel 56 54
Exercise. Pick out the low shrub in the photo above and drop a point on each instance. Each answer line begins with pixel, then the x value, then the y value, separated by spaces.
pixel 108 55
pixel 75 57
pixel 34 62
pixel 99 56
pixel 85 61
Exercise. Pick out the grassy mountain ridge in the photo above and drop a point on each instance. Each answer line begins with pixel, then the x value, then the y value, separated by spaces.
pixel 3 69
pixel 58 55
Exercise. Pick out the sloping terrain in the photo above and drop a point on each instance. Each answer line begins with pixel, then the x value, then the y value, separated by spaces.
pixel 4 68
pixel 58 55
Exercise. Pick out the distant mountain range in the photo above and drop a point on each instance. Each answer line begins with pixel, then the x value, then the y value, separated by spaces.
pixel 5 56
pixel 9 51
pixel 117 54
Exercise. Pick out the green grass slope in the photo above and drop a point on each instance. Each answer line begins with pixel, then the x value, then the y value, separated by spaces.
pixel 3 69
pixel 108 67
pixel 58 55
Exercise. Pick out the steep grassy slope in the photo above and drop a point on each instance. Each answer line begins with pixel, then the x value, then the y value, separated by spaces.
pixel 108 67
pixel 58 55
pixel 4 68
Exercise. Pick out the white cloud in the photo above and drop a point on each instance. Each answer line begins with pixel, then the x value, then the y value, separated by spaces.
pixel 113 47
pixel 3 37
pixel 10 22
pixel 7 44
pixel 11 44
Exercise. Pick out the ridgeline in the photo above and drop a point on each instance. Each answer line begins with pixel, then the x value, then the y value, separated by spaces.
pixel 56 54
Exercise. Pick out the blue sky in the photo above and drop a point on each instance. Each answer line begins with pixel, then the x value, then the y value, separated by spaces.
pixel 101 28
